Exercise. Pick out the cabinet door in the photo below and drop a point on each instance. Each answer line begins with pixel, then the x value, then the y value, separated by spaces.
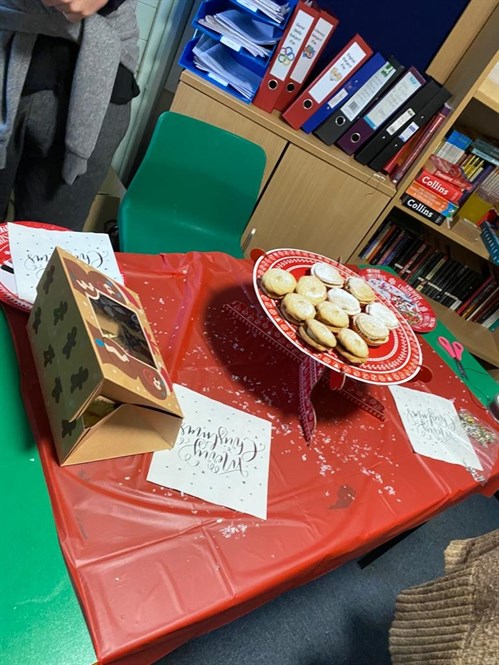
pixel 309 204
pixel 195 104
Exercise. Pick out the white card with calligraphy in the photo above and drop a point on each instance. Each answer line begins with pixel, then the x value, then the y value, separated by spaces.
pixel 31 249
pixel 433 427
pixel 221 455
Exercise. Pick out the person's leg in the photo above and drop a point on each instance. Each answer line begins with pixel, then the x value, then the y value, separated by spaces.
pixel 40 193
pixel 14 153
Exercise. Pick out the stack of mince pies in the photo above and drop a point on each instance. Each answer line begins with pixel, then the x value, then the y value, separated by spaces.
pixel 331 312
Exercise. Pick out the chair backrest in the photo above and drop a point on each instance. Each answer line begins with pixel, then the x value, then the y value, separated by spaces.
pixel 195 189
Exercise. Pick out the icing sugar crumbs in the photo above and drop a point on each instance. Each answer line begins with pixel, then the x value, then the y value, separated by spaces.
pixel 231 530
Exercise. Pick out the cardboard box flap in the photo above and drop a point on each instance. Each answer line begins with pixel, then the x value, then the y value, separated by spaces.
pixel 84 405
pixel 129 430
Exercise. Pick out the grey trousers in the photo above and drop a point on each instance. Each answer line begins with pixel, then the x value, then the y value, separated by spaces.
pixel 35 157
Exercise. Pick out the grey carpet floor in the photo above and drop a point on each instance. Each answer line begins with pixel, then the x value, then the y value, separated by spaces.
pixel 343 617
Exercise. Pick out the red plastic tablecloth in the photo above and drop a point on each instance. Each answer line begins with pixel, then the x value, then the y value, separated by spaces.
pixel 154 568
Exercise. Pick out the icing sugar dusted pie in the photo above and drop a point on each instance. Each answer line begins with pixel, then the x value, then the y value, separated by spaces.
pixel 372 330
pixel 347 301
pixel 333 316
pixel 296 308
pixel 327 274
pixel 277 283
pixel 312 288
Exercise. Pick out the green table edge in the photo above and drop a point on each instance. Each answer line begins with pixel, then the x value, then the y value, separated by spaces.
pixel 42 622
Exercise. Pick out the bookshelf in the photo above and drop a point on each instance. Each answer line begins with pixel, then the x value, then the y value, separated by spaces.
pixel 474 83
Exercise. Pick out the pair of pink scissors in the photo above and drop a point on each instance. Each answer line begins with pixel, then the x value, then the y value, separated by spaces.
pixel 455 350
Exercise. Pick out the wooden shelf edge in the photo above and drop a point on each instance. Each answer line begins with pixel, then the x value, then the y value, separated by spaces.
pixel 488 91
pixel 308 142
pixel 486 99
pixel 479 341
pixel 475 246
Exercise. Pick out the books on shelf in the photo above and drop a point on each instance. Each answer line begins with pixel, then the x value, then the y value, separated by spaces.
pixel 472 166
pixel 486 305
pixel 435 274
pixel 409 201
pixel 392 248
pixel 440 186
pixel 413 260
pixel 453 147
pixel 377 240
pixel 486 150
pixel 483 303
pixel 426 280
pixel 483 288
pixel 442 168
pixel 401 260
pixel 482 199
pixel 490 237
pixel 431 199
pixel 454 181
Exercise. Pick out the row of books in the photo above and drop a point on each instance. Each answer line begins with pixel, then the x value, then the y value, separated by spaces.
pixel 435 274
pixel 456 180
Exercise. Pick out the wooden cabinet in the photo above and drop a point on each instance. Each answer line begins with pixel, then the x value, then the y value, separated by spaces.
pixel 313 205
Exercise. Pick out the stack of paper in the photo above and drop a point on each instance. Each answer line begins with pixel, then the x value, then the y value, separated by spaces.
pixel 212 57
pixel 274 9
pixel 239 30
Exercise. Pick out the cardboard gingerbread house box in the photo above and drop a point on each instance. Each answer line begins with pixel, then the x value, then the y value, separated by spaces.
pixel 105 387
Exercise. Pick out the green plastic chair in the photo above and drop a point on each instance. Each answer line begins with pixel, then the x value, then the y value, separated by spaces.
pixel 195 190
